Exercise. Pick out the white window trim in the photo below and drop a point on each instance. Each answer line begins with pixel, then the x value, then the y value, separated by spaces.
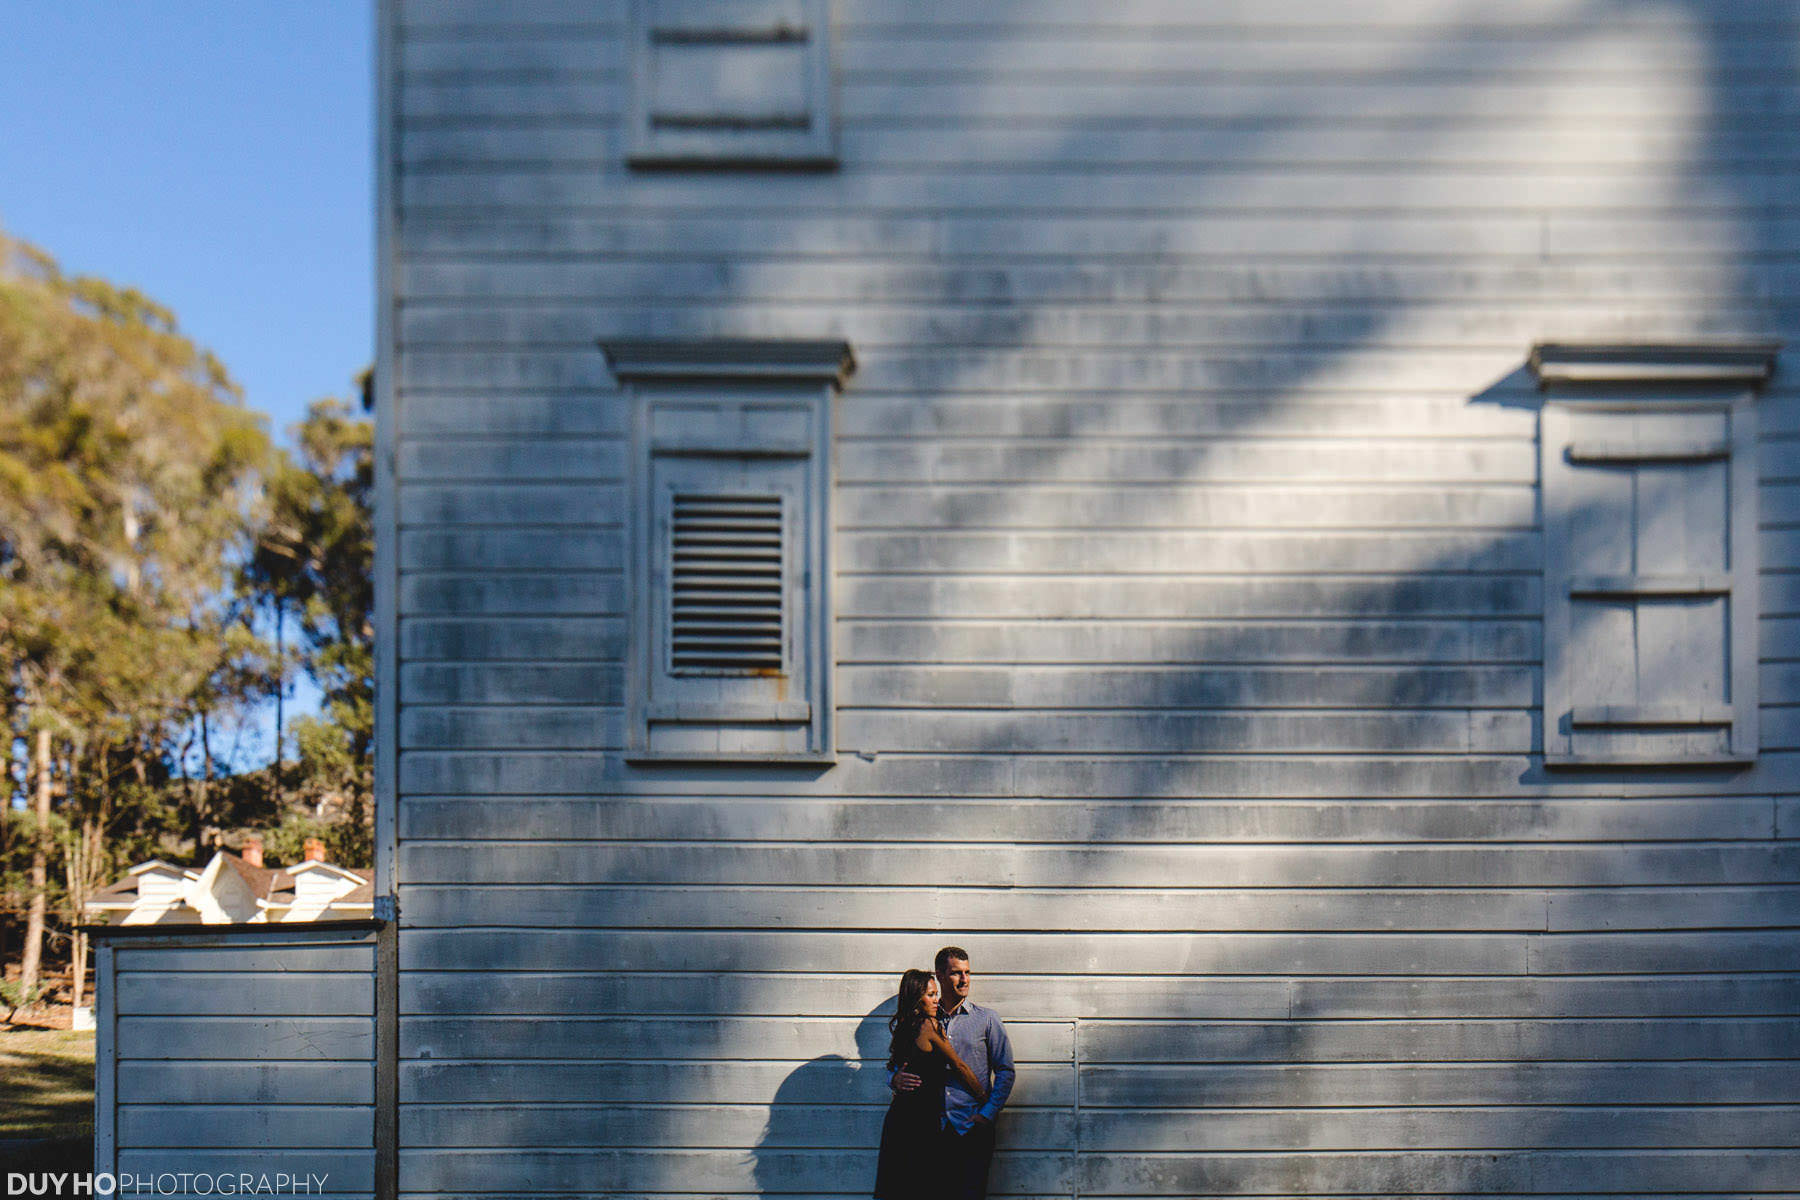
pixel 1723 377
pixel 810 371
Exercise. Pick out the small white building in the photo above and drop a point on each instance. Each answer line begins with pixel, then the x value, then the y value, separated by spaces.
pixel 235 889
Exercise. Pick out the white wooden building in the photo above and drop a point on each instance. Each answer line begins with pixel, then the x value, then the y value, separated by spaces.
pixel 1272 522
pixel 235 888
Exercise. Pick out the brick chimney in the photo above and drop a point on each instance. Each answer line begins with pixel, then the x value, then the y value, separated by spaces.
pixel 315 850
pixel 252 851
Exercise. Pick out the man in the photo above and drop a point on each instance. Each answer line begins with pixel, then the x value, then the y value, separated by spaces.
pixel 980 1041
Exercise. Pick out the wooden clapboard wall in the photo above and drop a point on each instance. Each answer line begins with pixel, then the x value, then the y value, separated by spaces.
pixel 1188 600
pixel 229 1059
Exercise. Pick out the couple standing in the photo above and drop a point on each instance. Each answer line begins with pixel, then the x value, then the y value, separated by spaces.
pixel 951 1069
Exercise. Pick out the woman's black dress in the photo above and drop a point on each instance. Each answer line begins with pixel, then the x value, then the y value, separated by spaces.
pixel 911 1166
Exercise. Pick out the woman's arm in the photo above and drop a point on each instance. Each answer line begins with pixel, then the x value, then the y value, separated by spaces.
pixel 935 1040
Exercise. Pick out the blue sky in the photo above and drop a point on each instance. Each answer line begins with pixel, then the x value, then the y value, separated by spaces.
pixel 218 156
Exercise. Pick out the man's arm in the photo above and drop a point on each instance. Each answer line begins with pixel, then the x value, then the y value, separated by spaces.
pixel 1000 1061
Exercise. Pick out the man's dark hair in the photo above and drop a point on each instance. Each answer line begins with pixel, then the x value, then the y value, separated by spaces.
pixel 944 956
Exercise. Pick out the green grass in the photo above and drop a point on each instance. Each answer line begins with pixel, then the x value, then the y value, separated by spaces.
pixel 46 1083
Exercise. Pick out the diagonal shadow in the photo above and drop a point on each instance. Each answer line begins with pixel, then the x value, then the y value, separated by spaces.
pixel 1255 1095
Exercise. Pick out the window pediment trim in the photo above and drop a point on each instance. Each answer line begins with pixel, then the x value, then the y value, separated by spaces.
pixel 737 359
pixel 1709 362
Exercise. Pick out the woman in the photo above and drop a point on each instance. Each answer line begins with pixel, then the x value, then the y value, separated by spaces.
pixel 911 1164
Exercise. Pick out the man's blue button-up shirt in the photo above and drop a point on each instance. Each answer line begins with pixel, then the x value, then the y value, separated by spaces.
pixel 980 1041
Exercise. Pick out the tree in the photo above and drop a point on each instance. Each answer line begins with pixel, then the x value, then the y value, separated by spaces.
pixel 128 469
pixel 314 557
pixel 148 529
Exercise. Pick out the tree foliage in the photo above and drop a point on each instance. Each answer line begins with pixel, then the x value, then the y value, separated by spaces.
pixel 314 557
pixel 126 472
pixel 149 529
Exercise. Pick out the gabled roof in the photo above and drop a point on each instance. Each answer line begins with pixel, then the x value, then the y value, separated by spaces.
pixel 316 865
pixel 122 894
pixel 268 887
pixel 362 893
pixel 125 892
pixel 157 864
pixel 260 880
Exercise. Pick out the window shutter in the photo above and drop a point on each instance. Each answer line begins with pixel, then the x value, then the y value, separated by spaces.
pixel 1650 611
pixel 730 580
pixel 730 83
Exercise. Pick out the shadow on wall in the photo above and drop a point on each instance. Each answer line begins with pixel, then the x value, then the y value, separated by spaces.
pixel 1517 1083
pixel 1418 1019
pixel 822 1110
pixel 1745 148
pixel 1504 1080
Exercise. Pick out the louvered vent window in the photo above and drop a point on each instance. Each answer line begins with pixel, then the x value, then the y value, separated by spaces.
pixel 726 584
pixel 729 547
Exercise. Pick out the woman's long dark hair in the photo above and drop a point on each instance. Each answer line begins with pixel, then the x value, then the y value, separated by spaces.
pixel 907 1018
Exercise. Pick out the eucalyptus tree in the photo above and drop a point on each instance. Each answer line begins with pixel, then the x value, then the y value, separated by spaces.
pixel 314 558
pixel 128 479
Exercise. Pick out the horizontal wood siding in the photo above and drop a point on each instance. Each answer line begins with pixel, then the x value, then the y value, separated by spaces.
pixel 1187 545
pixel 239 1055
